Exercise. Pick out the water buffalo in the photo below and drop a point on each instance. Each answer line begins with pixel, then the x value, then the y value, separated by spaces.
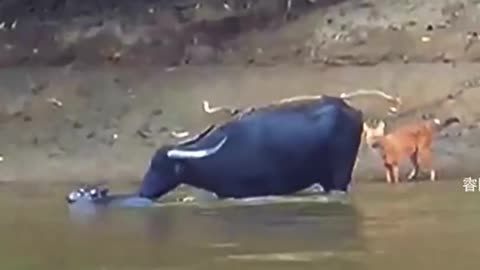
pixel 274 150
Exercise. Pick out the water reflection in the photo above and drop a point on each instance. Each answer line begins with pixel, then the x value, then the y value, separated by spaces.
pixel 227 222
pixel 295 231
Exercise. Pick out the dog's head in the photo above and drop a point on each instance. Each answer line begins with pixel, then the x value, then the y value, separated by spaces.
pixel 371 134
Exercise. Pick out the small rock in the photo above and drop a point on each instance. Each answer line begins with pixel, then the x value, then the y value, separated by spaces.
pixel 443 25
pixel 226 6
pixel 412 23
pixel 91 134
pixel 27 118
pixel 429 27
pixel 157 112
pixel 144 134
pixel 37 88
pixel 77 125
pixel 447 58
pixel 395 27
pixel 426 39
pixel 116 56
pixel 427 116
pixel 144 131
pixel 57 151
pixel 1 158
pixel 170 69
pixel 163 129
pixel 474 34
pixel 55 102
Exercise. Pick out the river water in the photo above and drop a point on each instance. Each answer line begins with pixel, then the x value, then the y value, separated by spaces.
pixel 409 226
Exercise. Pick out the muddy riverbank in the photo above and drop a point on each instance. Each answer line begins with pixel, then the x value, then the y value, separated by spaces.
pixel 84 125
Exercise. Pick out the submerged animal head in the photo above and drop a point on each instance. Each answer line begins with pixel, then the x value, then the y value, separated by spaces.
pixel 371 134
pixel 166 166
pixel 89 193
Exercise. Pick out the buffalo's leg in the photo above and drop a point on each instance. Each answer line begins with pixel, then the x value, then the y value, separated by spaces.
pixel 344 156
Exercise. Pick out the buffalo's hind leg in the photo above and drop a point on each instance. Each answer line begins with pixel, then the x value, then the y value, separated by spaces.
pixel 344 152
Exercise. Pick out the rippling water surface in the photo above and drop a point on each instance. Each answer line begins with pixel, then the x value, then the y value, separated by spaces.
pixel 410 226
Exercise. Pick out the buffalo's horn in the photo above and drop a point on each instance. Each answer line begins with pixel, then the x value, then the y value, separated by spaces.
pixel 175 153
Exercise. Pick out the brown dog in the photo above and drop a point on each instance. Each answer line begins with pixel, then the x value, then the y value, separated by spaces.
pixel 413 141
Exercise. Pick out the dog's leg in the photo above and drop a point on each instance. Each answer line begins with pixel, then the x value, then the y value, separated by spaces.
pixel 414 173
pixel 395 172
pixel 425 160
pixel 388 173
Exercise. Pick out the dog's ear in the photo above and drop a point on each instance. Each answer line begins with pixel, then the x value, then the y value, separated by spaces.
pixel 365 126
pixel 381 126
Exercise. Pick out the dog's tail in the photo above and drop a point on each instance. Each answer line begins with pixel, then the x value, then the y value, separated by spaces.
pixel 447 122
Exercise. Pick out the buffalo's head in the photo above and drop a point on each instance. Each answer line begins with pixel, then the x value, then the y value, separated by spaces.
pixel 164 172
pixel 89 193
